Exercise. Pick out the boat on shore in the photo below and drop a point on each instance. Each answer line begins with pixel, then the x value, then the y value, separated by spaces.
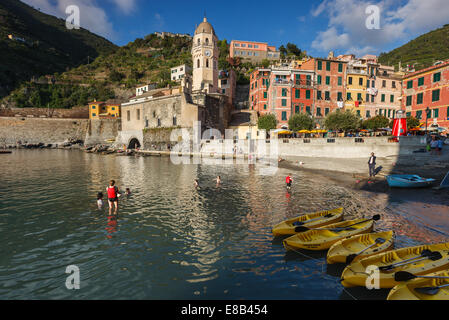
pixel 418 260
pixel 315 220
pixel 408 181
pixel 423 288
pixel 360 246
pixel 324 238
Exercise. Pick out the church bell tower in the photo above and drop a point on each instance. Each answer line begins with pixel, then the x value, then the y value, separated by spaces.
pixel 205 58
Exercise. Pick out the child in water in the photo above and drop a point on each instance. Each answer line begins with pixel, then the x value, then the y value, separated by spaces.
pixel 218 180
pixel 197 185
pixel 113 194
pixel 100 200
pixel 288 181
pixel 127 192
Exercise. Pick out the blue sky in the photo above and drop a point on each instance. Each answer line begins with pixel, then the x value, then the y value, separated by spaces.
pixel 315 26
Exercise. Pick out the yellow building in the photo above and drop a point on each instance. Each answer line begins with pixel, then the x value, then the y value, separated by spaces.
pixel 356 89
pixel 108 109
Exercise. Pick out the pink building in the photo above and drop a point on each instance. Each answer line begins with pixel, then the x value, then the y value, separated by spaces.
pixel 253 51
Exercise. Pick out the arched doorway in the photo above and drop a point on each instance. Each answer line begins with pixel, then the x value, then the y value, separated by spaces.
pixel 134 144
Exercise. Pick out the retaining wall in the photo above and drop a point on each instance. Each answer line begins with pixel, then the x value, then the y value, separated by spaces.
pixel 37 130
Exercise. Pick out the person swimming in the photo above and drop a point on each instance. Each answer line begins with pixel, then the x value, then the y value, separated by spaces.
pixel 100 200
pixel 127 192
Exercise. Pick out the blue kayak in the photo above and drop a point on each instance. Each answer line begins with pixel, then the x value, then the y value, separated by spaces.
pixel 408 181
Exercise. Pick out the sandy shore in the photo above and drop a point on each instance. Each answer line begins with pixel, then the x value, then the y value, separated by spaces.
pixel 356 181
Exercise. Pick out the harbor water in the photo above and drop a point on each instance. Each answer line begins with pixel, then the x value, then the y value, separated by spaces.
pixel 172 240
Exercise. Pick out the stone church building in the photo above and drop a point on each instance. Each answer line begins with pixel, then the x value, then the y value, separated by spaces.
pixel 147 119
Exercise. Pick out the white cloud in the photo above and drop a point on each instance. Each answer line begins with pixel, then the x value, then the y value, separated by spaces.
pixel 92 16
pixel 159 20
pixel 347 32
pixel 330 39
pixel 126 6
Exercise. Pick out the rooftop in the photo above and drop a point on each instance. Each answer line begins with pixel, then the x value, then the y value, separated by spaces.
pixel 435 67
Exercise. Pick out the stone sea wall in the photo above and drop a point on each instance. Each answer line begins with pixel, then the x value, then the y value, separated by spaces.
pixel 41 130
pixel 102 131
pixel 73 113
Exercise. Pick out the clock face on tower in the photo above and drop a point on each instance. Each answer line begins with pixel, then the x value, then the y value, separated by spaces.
pixel 208 53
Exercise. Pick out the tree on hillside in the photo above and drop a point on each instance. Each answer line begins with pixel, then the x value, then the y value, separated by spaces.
pixel 342 120
pixel 283 51
pixel 292 49
pixel 265 63
pixel 300 121
pixel 267 122
pixel 116 76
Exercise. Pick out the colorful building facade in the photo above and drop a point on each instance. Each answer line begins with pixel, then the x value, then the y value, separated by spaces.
pixel 253 51
pixel 388 88
pixel 356 85
pixel 282 92
pixel 428 88
pixel 329 84
pixel 99 109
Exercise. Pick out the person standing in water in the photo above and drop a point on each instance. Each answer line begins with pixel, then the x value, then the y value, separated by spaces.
pixel 197 185
pixel 113 194
pixel 218 180
pixel 288 181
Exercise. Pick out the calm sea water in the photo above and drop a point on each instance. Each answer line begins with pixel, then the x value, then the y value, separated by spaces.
pixel 171 240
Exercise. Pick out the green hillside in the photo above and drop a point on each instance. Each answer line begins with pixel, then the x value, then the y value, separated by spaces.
pixel 48 46
pixel 422 52
pixel 113 75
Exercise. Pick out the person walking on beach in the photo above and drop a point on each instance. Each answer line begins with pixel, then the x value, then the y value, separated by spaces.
pixel 113 194
pixel 372 165
pixel 288 181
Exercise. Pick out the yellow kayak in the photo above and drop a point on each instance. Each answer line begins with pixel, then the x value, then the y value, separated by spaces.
pixel 311 220
pixel 356 273
pixel 340 251
pixel 410 289
pixel 322 239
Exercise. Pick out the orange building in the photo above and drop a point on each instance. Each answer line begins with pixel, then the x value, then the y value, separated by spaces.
pixel 101 110
pixel 253 51
pixel 330 84
pixel 428 88
pixel 281 91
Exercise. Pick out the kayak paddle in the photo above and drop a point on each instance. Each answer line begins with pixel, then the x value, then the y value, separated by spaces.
pixel 351 257
pixel 300 223
pixel 338 229
pixel 430 290
pixel 406 276
pixel 432 255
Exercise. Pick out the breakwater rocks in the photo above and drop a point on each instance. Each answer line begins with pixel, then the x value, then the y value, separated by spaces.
pixel 72 144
